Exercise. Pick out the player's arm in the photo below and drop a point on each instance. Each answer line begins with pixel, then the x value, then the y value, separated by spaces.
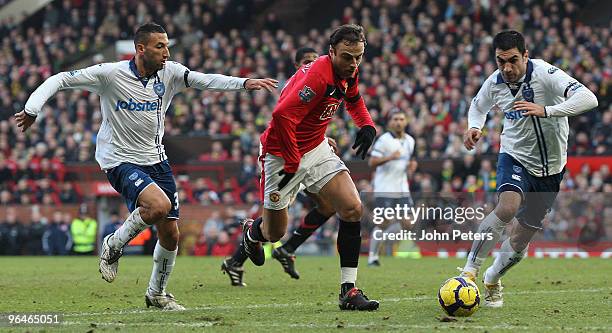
pixel 357 109
pixel 300 99
pixel 578 98
pixel 377 156
pixel 92 79
pixel 219 82
pixel 477 115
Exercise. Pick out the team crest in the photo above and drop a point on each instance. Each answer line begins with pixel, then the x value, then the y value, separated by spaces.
pixel 159 88
pixel 275 196
pixel 517 168
pixel 74 72
pixel 552 70
pixel 306 94
pixel 528 94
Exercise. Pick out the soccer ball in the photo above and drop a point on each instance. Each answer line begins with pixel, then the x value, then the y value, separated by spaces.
pixel 459 297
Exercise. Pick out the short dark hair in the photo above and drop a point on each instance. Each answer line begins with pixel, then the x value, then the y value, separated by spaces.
pixel 299 54
pixel 143 32
pixel 509 39
pixel 351 33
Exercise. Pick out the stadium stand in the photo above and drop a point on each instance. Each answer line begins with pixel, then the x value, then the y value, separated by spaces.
pixel 425 57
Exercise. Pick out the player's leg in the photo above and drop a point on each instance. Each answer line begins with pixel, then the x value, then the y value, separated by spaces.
pixel 148 205
pixel 375 237
pixel 272 225
pixel 166 248
pixel 341 192
pixel 493 224
pixel 164 257
pixel 529 221
pixel 315 218
pixel 512 186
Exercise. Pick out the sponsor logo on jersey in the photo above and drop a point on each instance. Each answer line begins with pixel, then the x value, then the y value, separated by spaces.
pixel 130 105
pixel 74 72
pixel 138 182
pixel 306 94
pixel 516 177
pixel 514 115
pixel 133 176
pixel 329 111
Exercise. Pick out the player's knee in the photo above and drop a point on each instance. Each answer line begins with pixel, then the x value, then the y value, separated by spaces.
pixel 325 209
pixel 506 211
pixel 351 212
pixel 158 209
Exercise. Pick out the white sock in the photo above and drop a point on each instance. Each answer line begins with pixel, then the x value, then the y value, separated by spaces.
pixel 374 246
pixel 163 262
pixel 481 248
pixel 130 229
pixel 348 275
pixel 506 258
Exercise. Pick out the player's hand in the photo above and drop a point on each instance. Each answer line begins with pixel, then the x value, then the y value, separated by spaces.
pixel 24 120
pixel 364 140
pixel 333 144
pixel 396 155
pixel 470 138
pixel 287 177
pixel 531 109
pixel 258 84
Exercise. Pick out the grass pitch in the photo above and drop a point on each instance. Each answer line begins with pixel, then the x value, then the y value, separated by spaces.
pixel 541 295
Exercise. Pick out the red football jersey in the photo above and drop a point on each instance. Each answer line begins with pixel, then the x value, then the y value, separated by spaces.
pixel 306 105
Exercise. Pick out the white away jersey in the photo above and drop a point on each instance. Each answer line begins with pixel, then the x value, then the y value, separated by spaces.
pixel 133 108
pixel 540 144
pixel 392 176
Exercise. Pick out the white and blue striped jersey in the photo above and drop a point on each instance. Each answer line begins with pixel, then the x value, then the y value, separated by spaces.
pixel 133 108
pixel 391 178
pixel 539 144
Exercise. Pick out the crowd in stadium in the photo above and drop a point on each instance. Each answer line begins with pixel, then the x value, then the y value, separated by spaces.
pixel 427 59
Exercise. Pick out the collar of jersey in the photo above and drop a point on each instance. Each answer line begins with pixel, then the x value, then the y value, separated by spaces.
pixel 142 79
pixel 526 78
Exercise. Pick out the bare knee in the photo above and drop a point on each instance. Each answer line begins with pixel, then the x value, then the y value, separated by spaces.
pixel 506 210
pixel 351 212
pixel 155 210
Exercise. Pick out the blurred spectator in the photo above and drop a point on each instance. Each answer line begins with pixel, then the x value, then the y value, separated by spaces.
pixel 84 230
pixel 35 232
pixel 114 224
pixel 13 234
pixel 56 239
pixel 223 246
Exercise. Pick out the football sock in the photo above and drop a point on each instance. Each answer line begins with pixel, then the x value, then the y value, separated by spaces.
pixel 312 221
pixel 239 257
pixel 128 230
pixel 163 262
pixel 374 245
pixel 481 248
pixel 506 258
pixel 254 234
pixel 349 244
